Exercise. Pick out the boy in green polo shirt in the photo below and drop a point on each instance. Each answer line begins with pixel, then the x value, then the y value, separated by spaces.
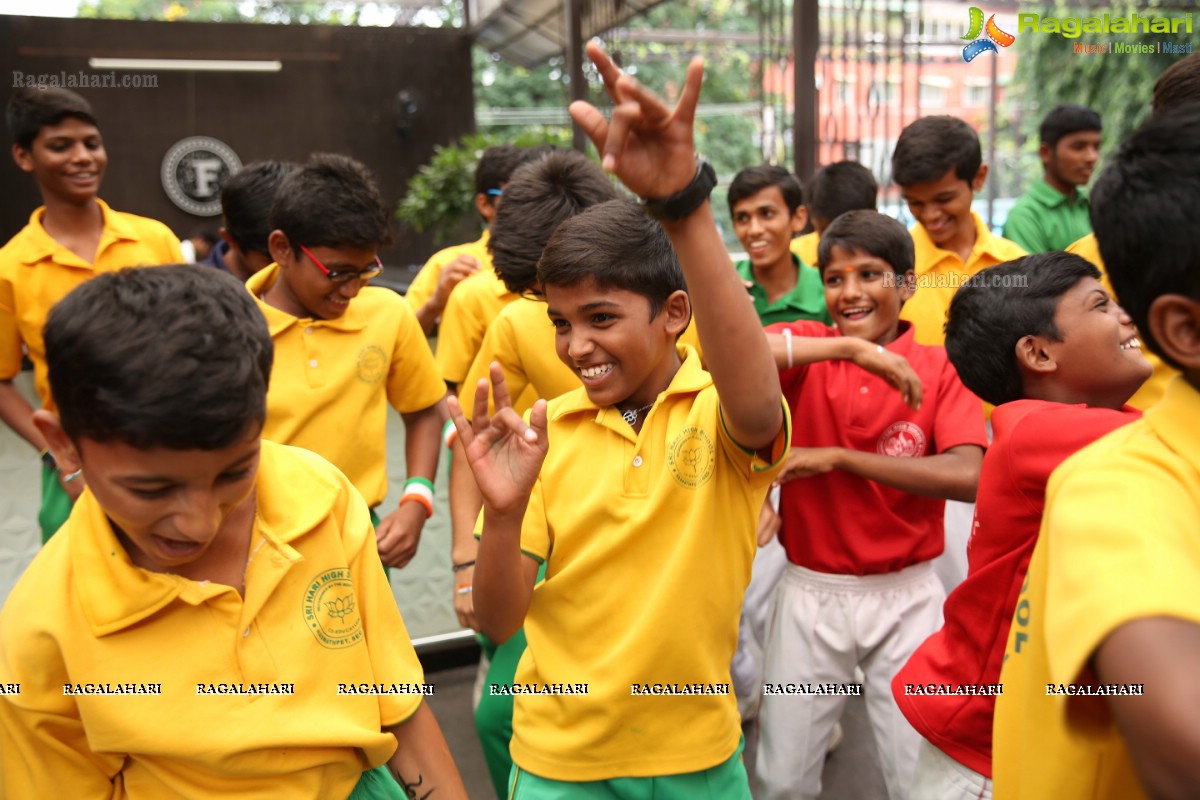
pixel 767 206
pixel 1054 212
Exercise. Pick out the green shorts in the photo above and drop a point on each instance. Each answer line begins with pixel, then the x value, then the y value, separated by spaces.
pixel 726 781
pixel 56 506
pixel 377 784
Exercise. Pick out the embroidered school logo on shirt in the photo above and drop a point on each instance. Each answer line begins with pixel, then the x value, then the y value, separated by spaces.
pixel 372 364
pixel 330 609
pixel 691 456
pixel 902 440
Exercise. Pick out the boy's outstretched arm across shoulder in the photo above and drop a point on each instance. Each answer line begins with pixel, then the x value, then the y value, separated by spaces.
pixel 651 149
pixel 506 456
pixel 793 351
pixel 951 475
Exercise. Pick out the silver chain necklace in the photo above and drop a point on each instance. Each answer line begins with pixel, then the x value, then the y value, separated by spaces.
pixel 631 416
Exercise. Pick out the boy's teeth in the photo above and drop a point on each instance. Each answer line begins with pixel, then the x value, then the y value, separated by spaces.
pixel 1134 343
pixel 595 372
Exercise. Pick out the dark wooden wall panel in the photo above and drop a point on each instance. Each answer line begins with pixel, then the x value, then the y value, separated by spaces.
pixel 336 92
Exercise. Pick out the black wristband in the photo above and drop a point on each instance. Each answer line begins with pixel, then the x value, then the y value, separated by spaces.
pixel 687 200
pixel 48 460
pixel 462 566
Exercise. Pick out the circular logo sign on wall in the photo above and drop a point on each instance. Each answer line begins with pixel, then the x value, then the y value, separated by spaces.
pixel 193 172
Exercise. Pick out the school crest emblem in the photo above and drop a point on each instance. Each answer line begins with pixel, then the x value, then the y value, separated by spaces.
pixel 372 364
pixel 902 440
pixel 690 457
pixel 331 611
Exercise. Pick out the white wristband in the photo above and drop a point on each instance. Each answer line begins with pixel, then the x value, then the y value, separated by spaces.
pixel 787 338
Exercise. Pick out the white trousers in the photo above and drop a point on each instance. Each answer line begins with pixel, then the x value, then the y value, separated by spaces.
pixel 940 777
pixel 825 626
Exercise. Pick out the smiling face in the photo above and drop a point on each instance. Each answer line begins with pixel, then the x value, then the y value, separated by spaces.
pixel 1072 160
pixel 303 290
pixel 607 337
pixel 67 160
pixel 943 207
pixel 1098 358
pixel 765 227
pixel 175 511
pixel 864 294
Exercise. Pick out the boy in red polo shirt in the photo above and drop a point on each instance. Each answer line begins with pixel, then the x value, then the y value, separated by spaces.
pixel 862 502
pixel 1041 339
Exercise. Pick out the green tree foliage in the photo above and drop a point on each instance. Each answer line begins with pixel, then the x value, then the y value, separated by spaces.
pixel 1049 72
pixel 731 141
pixel 440 197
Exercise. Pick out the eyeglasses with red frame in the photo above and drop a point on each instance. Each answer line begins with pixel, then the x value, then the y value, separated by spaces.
pixel 343 276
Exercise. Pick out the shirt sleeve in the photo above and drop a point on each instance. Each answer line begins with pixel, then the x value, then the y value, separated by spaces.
pixel 536 540
pixel 1124 544
pixel 460 334
pixel 960 419
pixel 758 470
pixel 44 748
pixel 414 381
pixel 424 286
pixel 498 345
pixel 10 333
pixel 1047 437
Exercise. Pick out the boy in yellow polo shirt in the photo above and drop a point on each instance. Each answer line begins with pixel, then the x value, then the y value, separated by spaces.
pixel 445 269
pixel 939 167
pixel 343 349
pixel 643 506
pixel 1100 670
pixel 72 237
pixel 539 197
pixel 219 626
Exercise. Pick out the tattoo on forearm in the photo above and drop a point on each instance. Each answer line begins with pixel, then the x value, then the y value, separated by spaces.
pixel 411 789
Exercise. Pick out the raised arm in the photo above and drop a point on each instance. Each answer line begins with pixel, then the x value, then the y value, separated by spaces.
pixel 651 149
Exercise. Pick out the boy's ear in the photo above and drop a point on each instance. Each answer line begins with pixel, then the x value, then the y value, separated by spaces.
pixel 1044 153
pixel 799 219
pixel 980 178
pixel 1033 356
pixel 65 453
pixel 485 207
pixel 678 312
pixel 908 286
pixel 23 158
pixel 1174 322
pixel 281 249
pixel 226 238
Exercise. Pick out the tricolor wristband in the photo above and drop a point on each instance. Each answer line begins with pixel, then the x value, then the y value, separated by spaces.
pixel 449 433
pixel 419 490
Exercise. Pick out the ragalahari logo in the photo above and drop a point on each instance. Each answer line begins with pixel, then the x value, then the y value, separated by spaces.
pixel 994 37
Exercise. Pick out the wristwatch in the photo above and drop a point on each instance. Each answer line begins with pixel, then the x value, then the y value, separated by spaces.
pixel 688 199
pixel 48 460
